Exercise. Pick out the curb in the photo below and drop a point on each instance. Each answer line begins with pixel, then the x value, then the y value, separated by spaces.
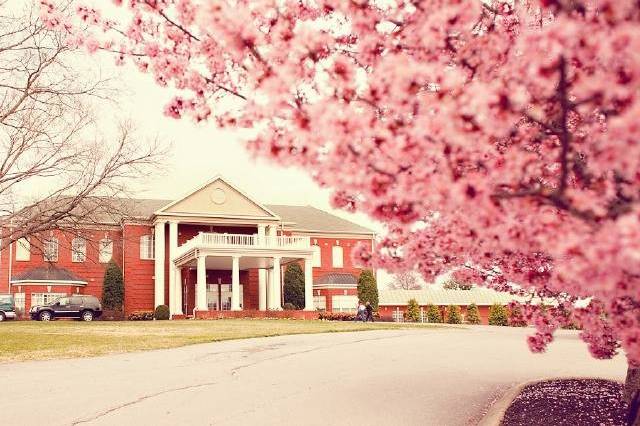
pixel 496 411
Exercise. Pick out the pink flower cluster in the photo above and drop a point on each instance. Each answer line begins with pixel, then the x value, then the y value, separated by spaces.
pixel 500 137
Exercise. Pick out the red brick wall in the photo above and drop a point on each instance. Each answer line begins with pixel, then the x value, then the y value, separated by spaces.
pixel 251 290
pixel 91 270
pixel 326 245
pixel 138 273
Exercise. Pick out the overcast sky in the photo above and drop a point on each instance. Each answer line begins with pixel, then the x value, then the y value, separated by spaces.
pixel 200 151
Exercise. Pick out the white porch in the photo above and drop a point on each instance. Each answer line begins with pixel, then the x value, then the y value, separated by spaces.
pixel 265 252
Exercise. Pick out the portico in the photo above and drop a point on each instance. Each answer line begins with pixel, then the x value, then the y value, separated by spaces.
pixel 223 251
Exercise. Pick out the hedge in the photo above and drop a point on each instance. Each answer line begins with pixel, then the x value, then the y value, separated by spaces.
pixel 498 315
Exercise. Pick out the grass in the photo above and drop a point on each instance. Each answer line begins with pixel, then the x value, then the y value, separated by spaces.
pixel 31 340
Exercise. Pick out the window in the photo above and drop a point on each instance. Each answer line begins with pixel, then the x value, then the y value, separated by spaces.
pixel 146 247
pixel 320 302
pixel 50 252
pixel 45 298
pixel 344 303
pixel 338 256
pixel 317 257
pixel 78 250
pixel 19 301
pixel 105 250
pixel 23 249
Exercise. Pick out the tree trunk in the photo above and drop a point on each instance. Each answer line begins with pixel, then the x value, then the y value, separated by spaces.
pixel 631 395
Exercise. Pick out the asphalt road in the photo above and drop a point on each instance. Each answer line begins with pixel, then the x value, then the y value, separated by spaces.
pixel 421 377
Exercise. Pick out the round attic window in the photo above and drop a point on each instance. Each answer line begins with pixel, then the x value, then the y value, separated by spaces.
pixel 218 196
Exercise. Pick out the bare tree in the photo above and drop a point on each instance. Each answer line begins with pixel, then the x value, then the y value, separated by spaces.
pixel 56 171
pixel 405 281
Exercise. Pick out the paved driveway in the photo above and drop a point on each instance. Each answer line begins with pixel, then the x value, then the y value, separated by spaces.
pixel 423 377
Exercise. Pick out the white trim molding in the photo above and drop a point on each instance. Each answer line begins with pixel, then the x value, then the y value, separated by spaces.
pixel 49 282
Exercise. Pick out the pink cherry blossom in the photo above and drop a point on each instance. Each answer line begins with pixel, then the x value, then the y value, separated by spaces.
pixel 498 139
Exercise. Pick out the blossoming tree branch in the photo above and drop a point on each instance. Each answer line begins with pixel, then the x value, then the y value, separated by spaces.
pixel 496 137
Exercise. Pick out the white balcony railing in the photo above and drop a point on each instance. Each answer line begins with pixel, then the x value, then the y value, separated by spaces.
pixel 210 240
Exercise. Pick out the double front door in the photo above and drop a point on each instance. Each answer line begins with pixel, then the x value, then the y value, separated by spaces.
pixel 218 297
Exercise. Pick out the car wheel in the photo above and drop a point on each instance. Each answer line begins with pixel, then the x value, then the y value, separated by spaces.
pixel 87 316
pixel 45 316
pixel 2 316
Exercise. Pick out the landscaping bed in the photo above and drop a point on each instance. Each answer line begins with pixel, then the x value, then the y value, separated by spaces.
pixel 574 402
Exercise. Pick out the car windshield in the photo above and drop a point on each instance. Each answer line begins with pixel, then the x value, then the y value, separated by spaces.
pixel 6 298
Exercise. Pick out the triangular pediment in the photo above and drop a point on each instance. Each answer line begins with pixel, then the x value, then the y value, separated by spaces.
pixel 218 198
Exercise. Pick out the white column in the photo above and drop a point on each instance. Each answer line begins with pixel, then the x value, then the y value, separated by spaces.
pixel 308 285
pixel 173 245
pixel 261 234
pixel 262 289
pixel 235 283
pixel 178 292
pixel 275 282
pixel 272 232
pixel 201 284
pixel 159 264
pixel 269 288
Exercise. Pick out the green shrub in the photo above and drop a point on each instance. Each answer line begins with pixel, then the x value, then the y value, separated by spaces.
pixel 453 315
pixel 368 289
pixel 434 314
pixel 289 307
pixel 162 312
pixel 141 316
pixel 473 314
pixel 413 311
pixel 498 315
pixel 112 288
pixel 294 286
pixel 516 318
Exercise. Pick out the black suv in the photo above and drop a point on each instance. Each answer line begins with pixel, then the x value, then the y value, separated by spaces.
pixel 77 306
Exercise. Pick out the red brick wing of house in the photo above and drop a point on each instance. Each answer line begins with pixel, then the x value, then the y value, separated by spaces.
pixel 393 303
pixel 214 249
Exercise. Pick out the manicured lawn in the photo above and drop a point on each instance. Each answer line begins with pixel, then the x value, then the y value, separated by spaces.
pixel 32 340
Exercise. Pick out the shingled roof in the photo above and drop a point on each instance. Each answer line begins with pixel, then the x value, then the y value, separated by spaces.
pixel 113 210
pixel 47 273
pixel 337 279
pixel 443 297
pixel 307 218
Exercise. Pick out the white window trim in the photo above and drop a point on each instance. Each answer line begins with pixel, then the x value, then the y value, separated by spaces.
pixel 317 256
pixel 104 243
pixel 337 260
pixel 320 303
pixel 23 250
pixel 147 247
pixel 44 298
pixel 49 243
pixel 78 255
pixel 342 303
